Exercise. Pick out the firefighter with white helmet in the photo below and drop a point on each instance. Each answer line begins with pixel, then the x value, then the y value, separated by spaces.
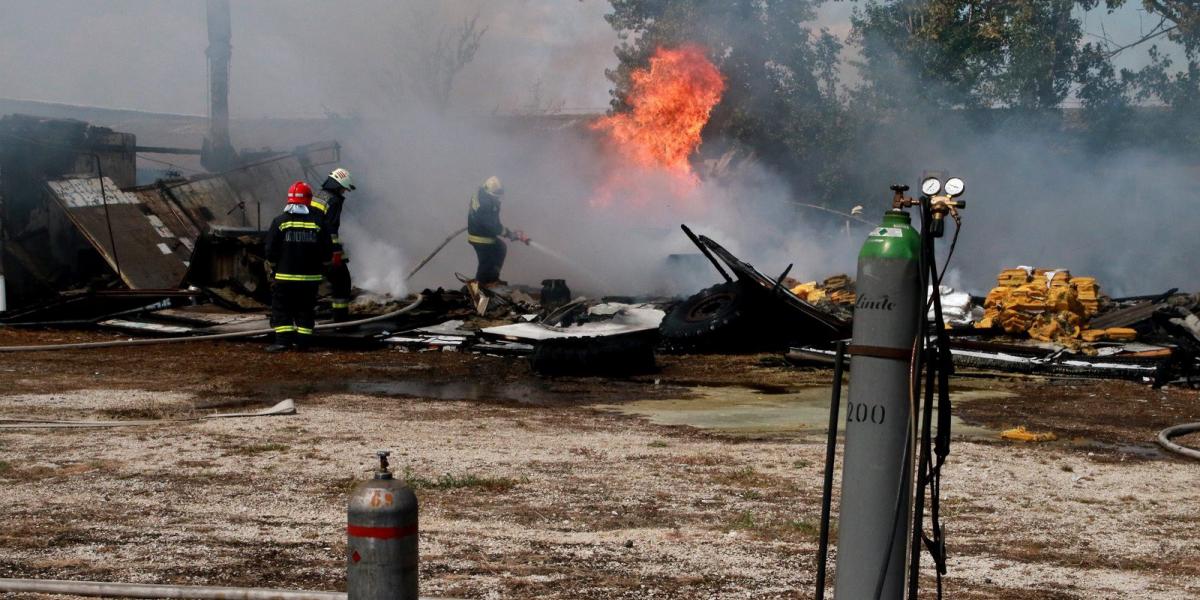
pixel 330 203
pixel 484 231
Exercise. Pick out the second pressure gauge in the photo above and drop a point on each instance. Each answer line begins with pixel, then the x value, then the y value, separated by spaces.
pixel 955 186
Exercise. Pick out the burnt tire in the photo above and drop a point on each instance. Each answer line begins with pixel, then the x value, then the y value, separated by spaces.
pixel 721 318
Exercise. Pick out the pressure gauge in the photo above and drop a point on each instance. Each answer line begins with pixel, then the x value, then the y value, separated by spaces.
pixel 931 186
pixel 955 186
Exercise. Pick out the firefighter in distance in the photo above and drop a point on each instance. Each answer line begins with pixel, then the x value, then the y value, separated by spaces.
pixel 484 231
pixel 329 203
pixel 298 247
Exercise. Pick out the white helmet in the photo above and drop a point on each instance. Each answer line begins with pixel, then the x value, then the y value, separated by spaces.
pixel 342 176
pixel 493 186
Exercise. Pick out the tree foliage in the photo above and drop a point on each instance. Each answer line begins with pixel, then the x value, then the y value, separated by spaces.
pixel 1024 54
pixel 1020 54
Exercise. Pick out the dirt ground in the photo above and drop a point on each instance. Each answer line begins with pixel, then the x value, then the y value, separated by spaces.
pixel 528 490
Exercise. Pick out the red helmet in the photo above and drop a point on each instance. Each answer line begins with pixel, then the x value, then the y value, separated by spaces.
pixel 300 193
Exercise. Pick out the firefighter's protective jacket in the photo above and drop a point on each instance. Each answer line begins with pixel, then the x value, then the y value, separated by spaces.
pixel 298 244
pixel 483 220
pixel 330 204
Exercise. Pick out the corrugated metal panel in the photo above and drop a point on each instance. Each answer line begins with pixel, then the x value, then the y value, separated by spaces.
pixel 167 215
pixel 210 201
pixel 133 240
pixel 245 197
pixel 267 183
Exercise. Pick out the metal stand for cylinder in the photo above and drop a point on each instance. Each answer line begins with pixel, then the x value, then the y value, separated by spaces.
pixel 835 403
pixel 381 538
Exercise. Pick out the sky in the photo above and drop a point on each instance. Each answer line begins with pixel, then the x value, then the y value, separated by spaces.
pixel 296 58
pixel 301 58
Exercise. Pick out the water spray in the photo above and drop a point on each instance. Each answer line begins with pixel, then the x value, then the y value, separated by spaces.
pixel 562 258
pixel 890 350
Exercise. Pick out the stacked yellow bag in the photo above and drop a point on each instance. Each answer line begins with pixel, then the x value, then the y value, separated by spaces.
pixel 1088 293
pixel 1048 305
pixel 838 289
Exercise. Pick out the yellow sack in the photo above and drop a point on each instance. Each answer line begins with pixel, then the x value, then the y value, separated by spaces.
pixel 1020 434
pixel 1120 334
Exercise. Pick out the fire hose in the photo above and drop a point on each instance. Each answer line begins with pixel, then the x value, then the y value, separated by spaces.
pixel 205 338
pixel 284 407
pixel 1165 436
pixel 149 590
pixel 420 265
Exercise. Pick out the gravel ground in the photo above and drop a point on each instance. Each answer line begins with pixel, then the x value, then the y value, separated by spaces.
pixel 549 499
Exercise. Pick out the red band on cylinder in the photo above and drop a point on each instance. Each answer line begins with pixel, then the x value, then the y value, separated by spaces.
pixel 381 533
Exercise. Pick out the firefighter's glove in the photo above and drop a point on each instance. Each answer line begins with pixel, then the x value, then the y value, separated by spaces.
pixel 521 237
pixel 338 259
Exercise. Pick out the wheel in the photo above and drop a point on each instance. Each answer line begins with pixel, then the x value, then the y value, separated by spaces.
pixel 721 317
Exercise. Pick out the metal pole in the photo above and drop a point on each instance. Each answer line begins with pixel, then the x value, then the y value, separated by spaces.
pixel 782 276
pixel 835 402
pixel 3 241
pixel 930 363
pixel 220 50
pixel 706 253
pixel 112 241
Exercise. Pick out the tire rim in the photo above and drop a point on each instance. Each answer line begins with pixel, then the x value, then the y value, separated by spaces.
pixel 709 307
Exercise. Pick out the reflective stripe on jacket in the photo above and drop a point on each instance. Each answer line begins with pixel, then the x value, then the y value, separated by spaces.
pixel 298 246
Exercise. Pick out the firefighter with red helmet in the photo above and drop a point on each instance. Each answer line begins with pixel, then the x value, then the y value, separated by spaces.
pixel 298 246
pixel 330 203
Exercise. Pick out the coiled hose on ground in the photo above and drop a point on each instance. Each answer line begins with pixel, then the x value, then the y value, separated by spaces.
pixel 1165 436
pixel 203 338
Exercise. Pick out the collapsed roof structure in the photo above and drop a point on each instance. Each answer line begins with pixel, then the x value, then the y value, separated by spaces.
pixel 73 218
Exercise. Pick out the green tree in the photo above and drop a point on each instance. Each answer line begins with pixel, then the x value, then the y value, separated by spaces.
pixel 1019 54
pixel 1179 22
pixel 1172 82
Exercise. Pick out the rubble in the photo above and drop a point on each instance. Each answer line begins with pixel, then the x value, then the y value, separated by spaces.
pixel 752 311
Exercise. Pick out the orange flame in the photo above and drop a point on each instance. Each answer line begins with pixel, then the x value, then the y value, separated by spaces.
pixel 670 103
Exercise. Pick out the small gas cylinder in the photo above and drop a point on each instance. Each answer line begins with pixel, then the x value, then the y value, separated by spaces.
pixel 381 532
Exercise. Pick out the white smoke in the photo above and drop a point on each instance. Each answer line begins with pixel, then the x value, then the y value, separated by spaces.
pixel 1117 214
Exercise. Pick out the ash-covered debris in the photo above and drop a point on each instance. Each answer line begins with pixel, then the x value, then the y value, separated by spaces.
pixel 1047 321
pixel 584 336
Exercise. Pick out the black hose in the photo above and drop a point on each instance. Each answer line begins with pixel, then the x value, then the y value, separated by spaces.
pixel 1164 439
pixel 203 338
